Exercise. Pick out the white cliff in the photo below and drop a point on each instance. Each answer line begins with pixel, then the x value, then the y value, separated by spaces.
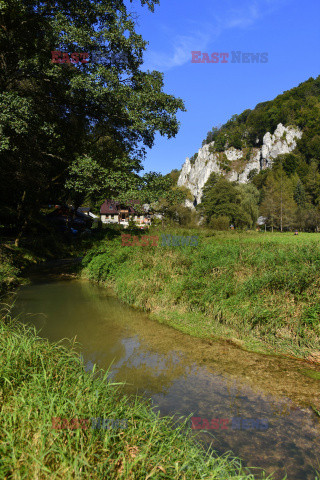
pixel 236 164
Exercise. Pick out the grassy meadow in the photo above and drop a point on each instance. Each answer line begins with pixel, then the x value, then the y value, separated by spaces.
pixel 259 290
pixel 40 381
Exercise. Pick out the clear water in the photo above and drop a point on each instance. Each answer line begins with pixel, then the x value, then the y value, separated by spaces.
pixel 184 375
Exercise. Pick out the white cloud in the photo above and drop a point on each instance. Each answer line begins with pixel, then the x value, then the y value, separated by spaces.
pixel 200 38
pixel 180 52
pixel 242 18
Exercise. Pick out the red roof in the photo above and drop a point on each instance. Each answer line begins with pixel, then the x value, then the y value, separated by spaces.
pixel 113 207
pixel 109 207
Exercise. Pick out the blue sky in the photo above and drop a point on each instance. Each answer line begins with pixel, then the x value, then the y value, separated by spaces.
pixel 287 29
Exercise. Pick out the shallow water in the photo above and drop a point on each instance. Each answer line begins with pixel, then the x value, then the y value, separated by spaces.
pixel 184 375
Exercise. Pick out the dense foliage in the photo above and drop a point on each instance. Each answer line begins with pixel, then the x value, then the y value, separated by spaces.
pixel 237 203
pixel 285 200
pixel 73 129
pixel 286 195
pixel 299 106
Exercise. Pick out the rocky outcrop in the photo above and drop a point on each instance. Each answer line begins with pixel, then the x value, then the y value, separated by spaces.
pixel 234 164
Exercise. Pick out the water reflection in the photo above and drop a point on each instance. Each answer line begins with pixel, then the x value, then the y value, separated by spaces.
pixel 184 375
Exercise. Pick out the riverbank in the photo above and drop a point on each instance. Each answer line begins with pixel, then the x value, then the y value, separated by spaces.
pixel 43 381
pixel 256 290
pixel 17 262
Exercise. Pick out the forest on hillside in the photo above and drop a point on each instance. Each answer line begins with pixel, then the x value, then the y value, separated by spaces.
pixel 288 194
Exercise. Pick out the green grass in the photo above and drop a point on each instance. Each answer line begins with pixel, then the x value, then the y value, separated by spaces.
pixel 315 410
pixel 310 373
pixel 259 290
pixel 39 381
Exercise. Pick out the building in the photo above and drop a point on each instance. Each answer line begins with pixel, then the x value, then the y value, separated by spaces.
pixel 86 211
pixel 112 211
pixel 64 218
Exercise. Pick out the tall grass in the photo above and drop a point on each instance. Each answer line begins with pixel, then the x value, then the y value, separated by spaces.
pixel 259 289
pixel 39 381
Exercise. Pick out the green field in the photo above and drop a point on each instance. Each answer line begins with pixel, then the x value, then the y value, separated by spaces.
pixel 259 290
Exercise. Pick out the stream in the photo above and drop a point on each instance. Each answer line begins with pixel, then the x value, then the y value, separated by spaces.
pixel 184 375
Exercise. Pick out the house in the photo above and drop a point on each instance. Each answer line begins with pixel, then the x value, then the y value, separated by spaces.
pixel 114 212
pixel 110 211
pixel 64 218
pixel 86 211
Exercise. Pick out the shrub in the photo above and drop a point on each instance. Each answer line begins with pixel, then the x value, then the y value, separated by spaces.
pixel 219 223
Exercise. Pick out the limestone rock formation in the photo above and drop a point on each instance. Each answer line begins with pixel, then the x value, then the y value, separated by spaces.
pixel 236 164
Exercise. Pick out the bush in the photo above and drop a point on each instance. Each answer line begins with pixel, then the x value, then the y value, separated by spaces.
pixel 8 275
pixel 220 223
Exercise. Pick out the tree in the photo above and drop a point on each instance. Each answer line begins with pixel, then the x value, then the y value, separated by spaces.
pixel 155 186
pixel 299 193
pixel 61 123
pixel 303 205
pixel 249 198
pixel 268 206
pixel 289 162
pixel 170 204
pixel 222 198
pixel 312 183
pixel 174 175
pixel 312 220
pixel 278 205
pixel 211 135
pixel 252 174
pixel 219 223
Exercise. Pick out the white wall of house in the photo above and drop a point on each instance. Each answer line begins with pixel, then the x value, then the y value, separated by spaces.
pixel 111 218
pixel 139 218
